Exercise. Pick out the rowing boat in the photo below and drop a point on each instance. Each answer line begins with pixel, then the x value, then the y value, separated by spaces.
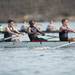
pixel 26 44
pixel 53 42
pixel 48 37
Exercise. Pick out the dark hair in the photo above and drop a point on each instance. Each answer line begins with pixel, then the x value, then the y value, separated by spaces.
pixel 31 22
pixel 63 20
pixel 9 21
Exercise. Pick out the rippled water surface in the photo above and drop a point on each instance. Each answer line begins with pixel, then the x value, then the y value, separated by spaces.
pixel 23 61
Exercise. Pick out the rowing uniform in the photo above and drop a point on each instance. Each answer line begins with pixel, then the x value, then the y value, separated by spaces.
pixel 63 35
pixel 7 35
pixel 31 35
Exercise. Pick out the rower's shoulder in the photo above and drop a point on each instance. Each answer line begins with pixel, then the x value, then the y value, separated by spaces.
pixel 62 27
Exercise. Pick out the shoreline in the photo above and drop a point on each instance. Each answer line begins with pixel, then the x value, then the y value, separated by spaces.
pixel 42 19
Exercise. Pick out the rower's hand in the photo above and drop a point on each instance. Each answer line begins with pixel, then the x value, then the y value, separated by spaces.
pixel 17 35
pixel 22 33
pixel 37 33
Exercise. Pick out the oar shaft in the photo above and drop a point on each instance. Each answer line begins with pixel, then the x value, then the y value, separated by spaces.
pixel 67 44
pixel 52 36
pixel 4 39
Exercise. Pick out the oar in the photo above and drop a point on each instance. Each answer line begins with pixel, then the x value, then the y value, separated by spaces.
pixel 44 37
pixel 47 37
pixel 4 39
pixel 60 46
pixel 53 36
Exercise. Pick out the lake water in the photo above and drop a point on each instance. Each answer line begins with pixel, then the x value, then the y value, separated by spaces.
pixel 23 61
pixel 26 61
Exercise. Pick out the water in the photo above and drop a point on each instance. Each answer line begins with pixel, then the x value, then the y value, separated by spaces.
pixel 27 61
pixel 22 61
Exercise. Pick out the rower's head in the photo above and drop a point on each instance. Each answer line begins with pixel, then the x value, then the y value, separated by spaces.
pixel 52 21
pixel 11 22
pixel 32 22
pixel 65 22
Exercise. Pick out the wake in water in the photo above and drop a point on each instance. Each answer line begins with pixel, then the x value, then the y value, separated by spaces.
pixel 67 45
pixel 41 48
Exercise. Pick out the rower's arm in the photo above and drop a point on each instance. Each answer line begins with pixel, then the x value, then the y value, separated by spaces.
pixel 71 30
pixel 40 32
pixel 16 31
pixel 67 29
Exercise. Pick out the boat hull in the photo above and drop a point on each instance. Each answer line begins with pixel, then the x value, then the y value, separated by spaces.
pixel 32 44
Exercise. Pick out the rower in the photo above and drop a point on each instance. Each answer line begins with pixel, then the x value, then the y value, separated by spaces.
pixel 10 30
pixel 33 32
pixel 51 26
pixel 64 29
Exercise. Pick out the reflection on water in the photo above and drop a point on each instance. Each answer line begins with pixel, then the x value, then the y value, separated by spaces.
pixel 22 61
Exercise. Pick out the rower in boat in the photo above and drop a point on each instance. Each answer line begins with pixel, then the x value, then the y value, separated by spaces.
pixel 33 32
pixel 51 26
pixel 64 29
pixel 11 30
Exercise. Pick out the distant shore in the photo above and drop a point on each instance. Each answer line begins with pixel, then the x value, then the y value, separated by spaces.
pixel 42 19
